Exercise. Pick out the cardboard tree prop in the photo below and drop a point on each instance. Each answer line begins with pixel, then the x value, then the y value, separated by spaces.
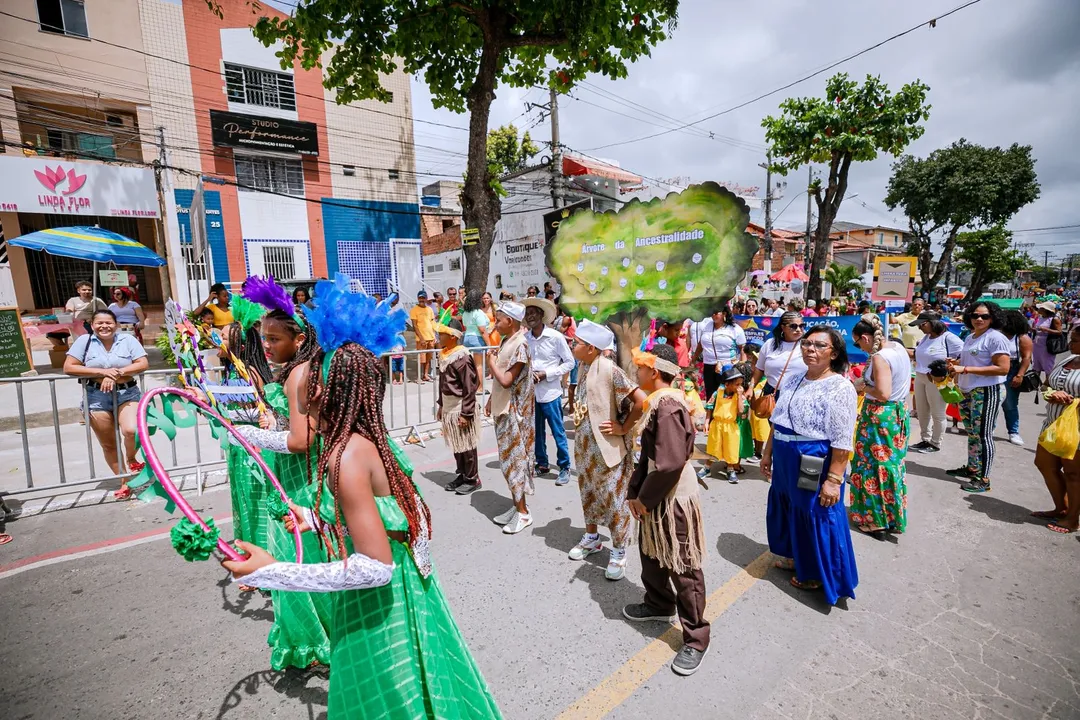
pixel 676 258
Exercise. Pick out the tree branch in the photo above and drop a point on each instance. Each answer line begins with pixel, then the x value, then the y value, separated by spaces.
pixel 535 40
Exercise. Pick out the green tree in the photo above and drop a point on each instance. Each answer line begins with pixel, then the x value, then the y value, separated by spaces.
pixel 852 123
pixel 675 258
pixel 843 279
pixel 962 186
pixel 464 49
pixel 989 256
pixel 507 154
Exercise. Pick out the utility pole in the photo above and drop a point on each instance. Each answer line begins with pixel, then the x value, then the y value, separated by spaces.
pixel 767 262
pixel 159 226
pixel 809 217
pixel 556 154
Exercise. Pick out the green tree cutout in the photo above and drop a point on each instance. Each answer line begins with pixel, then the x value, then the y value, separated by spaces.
pixel 852 123
pixel 676 258
pixel 464 49
pixel 843 279
pixel 989 257
pixel 963 185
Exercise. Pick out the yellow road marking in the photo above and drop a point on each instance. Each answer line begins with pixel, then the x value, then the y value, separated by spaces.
pixel 622 683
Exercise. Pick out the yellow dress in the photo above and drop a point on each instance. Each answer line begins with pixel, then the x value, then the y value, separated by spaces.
pixel 759 427
pixel 724 436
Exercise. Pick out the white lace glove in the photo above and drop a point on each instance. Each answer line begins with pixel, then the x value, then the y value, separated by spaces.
pixel 357 573
pixel 275 440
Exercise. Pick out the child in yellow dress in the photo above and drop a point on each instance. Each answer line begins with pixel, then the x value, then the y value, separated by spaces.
pixel 726 406
pixel 759 427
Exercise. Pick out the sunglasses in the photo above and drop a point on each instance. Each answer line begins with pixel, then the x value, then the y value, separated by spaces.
pixel 981 316
pixel 796 326
pixel 817 346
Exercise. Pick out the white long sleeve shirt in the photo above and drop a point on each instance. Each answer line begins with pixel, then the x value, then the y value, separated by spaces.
pixel 549 353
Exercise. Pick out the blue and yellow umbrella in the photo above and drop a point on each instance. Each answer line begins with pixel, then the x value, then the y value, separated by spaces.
pixel 89 243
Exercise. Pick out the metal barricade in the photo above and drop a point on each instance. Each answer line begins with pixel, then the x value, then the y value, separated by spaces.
pixel 53 459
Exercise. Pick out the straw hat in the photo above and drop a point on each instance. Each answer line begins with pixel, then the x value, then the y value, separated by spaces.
pixel 544 304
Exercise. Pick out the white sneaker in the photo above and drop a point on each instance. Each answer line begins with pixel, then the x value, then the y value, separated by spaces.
pixel 505 517
pixel 616 567
pixel 586 547
pixel 518 523
pixel 1016 440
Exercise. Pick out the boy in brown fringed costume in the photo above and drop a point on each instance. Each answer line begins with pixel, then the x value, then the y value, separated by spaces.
pixel 458 383
pixel 664 498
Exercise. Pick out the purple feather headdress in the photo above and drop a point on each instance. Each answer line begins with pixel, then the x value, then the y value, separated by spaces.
pixel 268 293
pixel 340 316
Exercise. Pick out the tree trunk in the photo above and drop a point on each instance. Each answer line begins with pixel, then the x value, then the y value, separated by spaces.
pixel 819 260
pixel 480 205
pixel 943 261
pixel 629 328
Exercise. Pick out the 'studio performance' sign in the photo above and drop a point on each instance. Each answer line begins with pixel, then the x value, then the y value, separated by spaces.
pixel 263 133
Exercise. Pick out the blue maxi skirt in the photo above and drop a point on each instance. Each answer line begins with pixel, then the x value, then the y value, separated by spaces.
pixel 817 538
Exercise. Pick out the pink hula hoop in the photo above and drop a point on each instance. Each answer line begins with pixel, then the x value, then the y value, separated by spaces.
pixel 143 431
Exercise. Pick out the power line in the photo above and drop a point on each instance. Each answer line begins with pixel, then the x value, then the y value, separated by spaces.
pixel 931 23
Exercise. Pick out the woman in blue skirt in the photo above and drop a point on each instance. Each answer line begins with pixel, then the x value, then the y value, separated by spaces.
pixel 807 459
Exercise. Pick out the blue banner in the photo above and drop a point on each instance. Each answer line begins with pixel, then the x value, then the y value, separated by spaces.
pixel 759 328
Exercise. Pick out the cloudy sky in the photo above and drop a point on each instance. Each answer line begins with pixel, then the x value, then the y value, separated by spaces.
pixel 1000 71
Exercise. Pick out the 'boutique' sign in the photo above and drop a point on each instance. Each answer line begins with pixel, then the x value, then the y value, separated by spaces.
pixel 263 133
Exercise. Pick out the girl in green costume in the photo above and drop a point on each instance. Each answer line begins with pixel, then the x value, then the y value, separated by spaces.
pixel 300 635
pixel 397 652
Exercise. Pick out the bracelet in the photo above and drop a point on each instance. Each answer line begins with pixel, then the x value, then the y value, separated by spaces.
pixel 838 478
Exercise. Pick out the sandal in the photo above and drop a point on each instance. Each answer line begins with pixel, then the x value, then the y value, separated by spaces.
pixel 1060 529
pixel 876 533
pixel 809 585
pixel 247 588
pixel 123 493
pixel 784 564
pixel 5 538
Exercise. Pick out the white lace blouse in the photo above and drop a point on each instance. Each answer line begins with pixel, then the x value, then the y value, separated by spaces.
pixel 824 409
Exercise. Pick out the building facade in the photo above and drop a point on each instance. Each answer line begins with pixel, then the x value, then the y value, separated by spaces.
pixel 287 182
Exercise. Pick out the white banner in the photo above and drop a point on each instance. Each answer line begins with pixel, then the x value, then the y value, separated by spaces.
pixel 65 187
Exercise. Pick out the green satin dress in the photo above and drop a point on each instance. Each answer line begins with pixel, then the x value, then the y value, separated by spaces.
pixel 302 621
pixel 396 651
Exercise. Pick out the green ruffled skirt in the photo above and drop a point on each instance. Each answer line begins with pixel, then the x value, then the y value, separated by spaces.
pixel 247 487
pixel 302 621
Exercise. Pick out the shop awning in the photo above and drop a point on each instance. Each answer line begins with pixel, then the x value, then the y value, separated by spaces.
pixel 581 166
pixel 89 243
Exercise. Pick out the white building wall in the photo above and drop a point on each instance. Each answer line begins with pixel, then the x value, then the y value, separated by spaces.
pixel 439 273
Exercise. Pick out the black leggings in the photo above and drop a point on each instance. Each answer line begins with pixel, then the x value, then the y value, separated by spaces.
pixel 711 378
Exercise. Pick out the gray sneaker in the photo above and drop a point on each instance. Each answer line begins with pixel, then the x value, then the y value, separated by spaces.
pixel 468 487
pixel 688 660
pixel 640 612
pixel 564 477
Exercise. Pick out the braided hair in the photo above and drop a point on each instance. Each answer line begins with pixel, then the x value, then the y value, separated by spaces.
pixel 247 347
pixel 307 349
pixel 870 324
pixel 351 399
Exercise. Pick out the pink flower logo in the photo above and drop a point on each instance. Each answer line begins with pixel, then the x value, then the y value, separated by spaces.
pixel 53 178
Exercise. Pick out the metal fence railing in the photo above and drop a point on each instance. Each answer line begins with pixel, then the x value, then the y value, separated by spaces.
pixel 57 453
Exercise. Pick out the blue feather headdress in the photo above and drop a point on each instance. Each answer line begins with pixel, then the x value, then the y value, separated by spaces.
pixel 340 316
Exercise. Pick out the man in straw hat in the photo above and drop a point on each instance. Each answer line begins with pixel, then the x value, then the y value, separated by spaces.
pixel 664 499
pixel 550 360
pixel 607 406
pixel 511 404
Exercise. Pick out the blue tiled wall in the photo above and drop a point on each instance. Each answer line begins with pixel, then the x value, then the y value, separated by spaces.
pixel 215 228
pixel 357 236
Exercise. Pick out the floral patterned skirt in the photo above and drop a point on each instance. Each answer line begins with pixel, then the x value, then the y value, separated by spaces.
pixel 878 486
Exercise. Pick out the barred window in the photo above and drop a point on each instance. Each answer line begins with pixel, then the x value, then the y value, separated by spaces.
pixel 278 175
pixel 259 87
pixel 279 261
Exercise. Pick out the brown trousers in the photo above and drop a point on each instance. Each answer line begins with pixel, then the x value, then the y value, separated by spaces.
pixel 687 597
pixel 468 465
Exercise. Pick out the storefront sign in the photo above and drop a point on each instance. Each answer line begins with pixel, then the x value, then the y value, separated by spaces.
pixel 113 278
pixel 65 187
pixel 263 133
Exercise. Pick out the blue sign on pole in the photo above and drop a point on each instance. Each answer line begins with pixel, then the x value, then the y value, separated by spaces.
pixel 215 230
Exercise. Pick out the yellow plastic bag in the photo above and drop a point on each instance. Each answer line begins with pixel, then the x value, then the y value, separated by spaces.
pixel 1063 435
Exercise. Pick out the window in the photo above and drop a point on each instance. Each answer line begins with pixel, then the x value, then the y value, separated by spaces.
pixel 196 269
pixel 259 87
pixel 455 263
pixel 435 268
pixel 82 144
pixel 66 17
pixel 278 175
pixel 279 261
pixel 881 238
pixel 349 170
pixel 393 174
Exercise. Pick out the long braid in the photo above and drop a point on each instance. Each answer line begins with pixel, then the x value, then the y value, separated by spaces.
pixel 247 347
pixel 351 402
pixel 307 349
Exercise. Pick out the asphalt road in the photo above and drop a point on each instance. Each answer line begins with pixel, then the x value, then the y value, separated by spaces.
pixel 974 613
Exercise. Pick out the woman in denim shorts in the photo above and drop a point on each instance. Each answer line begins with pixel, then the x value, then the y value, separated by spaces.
pixel 106 362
